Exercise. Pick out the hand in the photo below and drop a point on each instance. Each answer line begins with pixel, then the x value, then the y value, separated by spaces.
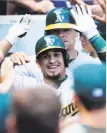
pixel 7 75
pixel 84 21
pixel 45 6
pixel 19 29
pixel 102 4
pixel 79 2
pixel 20 58
pixel 86 45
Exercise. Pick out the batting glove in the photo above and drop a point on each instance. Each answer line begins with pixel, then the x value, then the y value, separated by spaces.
pixel 19 29
pixel 84 21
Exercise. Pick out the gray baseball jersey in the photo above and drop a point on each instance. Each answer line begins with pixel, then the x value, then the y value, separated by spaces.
pixel 30 75
pixel 31 78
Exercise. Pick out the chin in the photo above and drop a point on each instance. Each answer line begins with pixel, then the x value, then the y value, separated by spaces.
pixel 54 76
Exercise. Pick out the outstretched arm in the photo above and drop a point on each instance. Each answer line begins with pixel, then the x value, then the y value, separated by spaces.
pixel 18 30
pixel 87 26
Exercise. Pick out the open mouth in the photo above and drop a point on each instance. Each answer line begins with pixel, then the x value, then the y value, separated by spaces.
pixel 53 67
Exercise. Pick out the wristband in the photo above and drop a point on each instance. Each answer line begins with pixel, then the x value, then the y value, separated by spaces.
pixel 98 43
pixel 11 38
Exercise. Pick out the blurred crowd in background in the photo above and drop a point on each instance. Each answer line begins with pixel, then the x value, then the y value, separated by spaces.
pixel 14 7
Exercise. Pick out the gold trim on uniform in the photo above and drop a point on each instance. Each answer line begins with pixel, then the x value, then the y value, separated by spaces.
pixel 70 109
pixel 61 25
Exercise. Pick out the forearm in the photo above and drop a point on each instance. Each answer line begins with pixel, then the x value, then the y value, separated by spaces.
pixel 5 85
pixel 5 46
pixel 99 45
pixel 32 4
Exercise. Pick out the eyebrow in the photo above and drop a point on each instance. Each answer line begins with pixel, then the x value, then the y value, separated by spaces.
pixel 55 50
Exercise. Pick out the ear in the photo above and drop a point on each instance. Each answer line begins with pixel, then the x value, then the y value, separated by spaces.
pixel 11 124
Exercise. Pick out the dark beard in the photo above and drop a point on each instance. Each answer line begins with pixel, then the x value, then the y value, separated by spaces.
pixel 55 77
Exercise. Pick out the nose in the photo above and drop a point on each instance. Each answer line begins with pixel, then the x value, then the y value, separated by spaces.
pixel 52 59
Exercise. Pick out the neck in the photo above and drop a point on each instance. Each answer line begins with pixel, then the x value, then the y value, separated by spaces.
pixel 54 83
pixel 95 118
pixel 72 54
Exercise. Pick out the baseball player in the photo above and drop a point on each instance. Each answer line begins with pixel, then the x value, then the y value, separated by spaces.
pixel 90 96
pixel 61 22
pixel 66 24
pixel 52 60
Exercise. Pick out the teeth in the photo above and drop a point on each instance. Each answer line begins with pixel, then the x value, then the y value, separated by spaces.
pixel 52 67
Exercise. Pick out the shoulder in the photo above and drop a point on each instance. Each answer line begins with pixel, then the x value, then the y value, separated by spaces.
pixel 81 59
pixel 69 73
pixel 66 87
pixel 68 81
pixel 87 58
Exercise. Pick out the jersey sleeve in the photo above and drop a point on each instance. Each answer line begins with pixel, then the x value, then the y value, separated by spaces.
pixel 26 76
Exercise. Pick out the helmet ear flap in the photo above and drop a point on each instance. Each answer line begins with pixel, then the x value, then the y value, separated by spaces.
pixel 45 33
pixel 66 58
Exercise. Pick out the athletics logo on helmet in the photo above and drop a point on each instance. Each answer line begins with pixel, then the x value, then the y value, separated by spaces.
pixel 60 18
pixel 50 42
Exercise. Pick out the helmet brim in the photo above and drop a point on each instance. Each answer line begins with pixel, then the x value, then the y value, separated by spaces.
pixel 49 47
pixel 62 26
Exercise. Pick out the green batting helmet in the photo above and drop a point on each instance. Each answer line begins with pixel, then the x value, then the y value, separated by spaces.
pixel 51 42
pixel 60 18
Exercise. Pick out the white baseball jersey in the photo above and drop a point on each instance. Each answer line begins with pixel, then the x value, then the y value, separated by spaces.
pixel 30 75
pixel 30 71
pixel 81 59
